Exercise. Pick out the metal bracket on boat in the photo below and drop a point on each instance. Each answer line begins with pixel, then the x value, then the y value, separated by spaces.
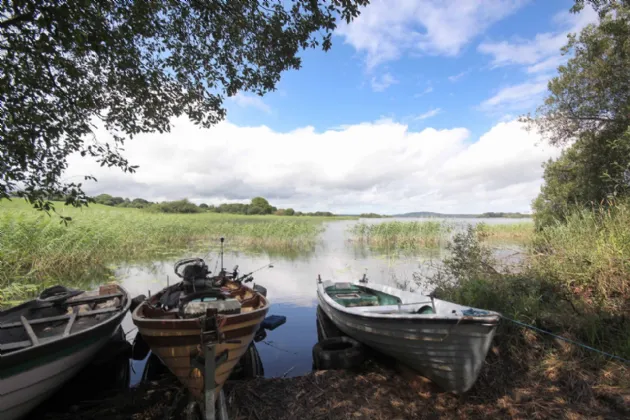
pixel 210 337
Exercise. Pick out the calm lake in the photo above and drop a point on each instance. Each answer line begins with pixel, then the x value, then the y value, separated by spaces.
pixel 291 284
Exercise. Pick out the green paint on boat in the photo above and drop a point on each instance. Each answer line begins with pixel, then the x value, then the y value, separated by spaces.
pixel 45 359
pixel 351 295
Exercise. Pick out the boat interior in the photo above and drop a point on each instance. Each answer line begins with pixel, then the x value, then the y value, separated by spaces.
pixel 57 313
pixel 179 301
pixel 380 299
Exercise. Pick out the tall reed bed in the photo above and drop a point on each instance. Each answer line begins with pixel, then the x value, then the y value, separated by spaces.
pixel 36 248
pixel 508 232
pixel 397 235
pixel 589 255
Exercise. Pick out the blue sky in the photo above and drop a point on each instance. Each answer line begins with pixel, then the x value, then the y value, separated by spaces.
pixel 337 88
pixel 414 108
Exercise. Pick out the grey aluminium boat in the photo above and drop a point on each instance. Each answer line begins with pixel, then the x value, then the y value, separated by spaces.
pixel 46 341
pixel 443 341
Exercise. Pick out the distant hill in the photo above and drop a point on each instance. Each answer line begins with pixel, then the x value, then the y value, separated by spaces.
pixel 465 216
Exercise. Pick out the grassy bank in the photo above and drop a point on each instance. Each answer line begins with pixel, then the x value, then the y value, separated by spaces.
pixel 575 283
pixel 36 249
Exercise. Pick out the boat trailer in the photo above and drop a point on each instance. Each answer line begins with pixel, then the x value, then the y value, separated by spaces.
pixel 211 408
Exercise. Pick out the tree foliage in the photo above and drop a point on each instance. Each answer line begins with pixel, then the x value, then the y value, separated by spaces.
pixel 588 112
pixel 131 66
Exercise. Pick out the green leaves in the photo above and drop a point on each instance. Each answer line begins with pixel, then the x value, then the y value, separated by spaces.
pixel 133 66
pixel 588 109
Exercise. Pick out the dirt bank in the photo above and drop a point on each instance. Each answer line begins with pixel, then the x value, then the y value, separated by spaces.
pixel 376 391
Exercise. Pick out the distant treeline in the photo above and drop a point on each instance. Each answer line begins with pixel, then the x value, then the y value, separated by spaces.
pixel 372 216
pixel 508 215
pixel 258 205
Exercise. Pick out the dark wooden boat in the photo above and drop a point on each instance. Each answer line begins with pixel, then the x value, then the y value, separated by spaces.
pixel 179 321
pixel 46 341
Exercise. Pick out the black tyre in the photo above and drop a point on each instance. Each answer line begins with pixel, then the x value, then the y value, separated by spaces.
pixel 249 366
pixel 153 369
pixel 326 328
pixel 338 353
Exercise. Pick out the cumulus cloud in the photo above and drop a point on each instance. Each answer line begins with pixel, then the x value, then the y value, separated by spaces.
pixel 245 100
pixel 386 29
pixel 379 166
pixel 379 84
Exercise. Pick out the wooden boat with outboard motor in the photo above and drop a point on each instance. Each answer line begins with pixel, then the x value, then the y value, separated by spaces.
pixel 441 340
pixel 180 322
pixel 46 341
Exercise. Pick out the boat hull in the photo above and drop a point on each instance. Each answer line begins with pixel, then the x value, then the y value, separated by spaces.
pixel 21 392
pixel 447 351
pixel 178 341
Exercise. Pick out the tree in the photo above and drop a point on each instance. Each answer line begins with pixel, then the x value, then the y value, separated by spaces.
pixel 289 212
pixel 262 206
pixel 203 206
pixel 179 206
pixel 140 203
pixel 130 67
pixel 588 110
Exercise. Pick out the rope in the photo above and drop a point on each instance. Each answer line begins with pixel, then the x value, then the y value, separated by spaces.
pixel 522 324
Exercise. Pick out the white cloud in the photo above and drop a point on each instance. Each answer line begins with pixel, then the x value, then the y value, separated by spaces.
pixel 381 166
pixel 245 100
pixel 387 29
pixel 379 84
pixel 542 53
pixel 458 76
pixel 428 114
pixel 516 97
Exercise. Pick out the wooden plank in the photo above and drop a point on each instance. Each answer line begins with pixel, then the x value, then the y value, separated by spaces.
pixel 15 346
pixel 29 331
pixel 73 317
pixel 59 317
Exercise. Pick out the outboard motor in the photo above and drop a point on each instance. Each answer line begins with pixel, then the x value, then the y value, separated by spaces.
pixel 194 272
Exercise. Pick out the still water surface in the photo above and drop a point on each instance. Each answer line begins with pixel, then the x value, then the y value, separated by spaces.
pixel 291 285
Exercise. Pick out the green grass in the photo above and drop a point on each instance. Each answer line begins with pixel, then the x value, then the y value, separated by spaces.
pixel 36 249
pixel 575 283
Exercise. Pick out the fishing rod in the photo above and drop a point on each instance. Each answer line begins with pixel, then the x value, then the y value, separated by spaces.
pixel 245 276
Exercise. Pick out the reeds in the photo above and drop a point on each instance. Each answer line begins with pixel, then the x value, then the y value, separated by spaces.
pixel 397 235
pixel 36 248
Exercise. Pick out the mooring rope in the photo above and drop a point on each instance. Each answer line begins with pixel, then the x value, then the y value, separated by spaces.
pixel 522 324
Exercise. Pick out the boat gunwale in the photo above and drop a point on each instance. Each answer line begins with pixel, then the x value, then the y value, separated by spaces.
pixel 194 323
pixel 487 320
pixel 61 342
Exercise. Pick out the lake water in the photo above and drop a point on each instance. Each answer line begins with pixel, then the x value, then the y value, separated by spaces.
pixel 291 285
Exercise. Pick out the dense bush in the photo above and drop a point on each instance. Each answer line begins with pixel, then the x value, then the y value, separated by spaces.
pixel 179 206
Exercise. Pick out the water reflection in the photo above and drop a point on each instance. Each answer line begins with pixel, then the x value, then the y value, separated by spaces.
pixel 291 284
